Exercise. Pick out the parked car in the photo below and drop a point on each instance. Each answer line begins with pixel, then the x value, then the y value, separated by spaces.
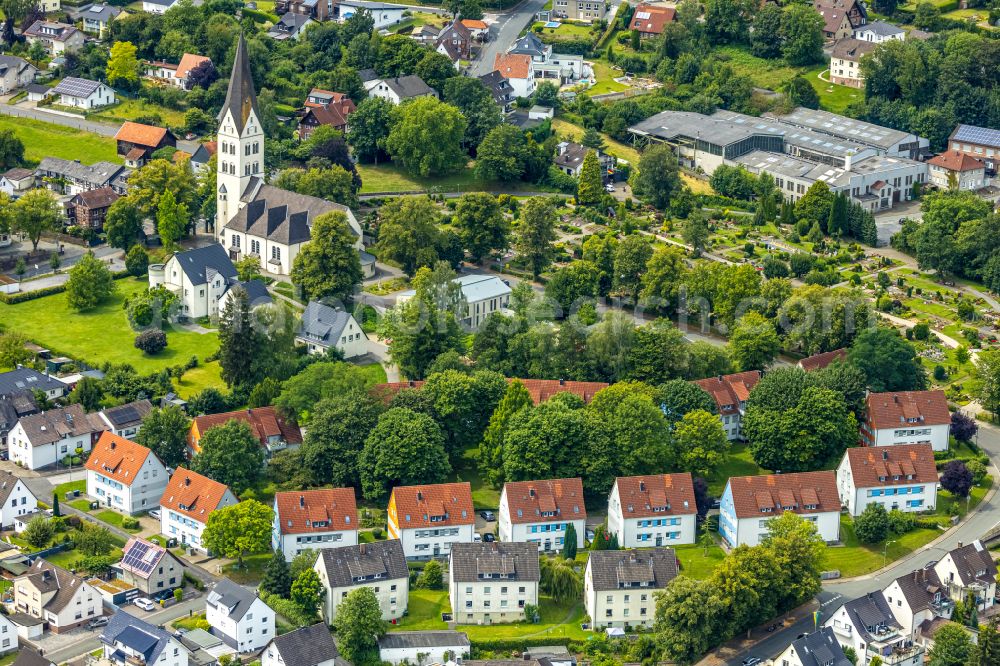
pixel 751 661
pixel 477 538
pixel 489 538
pixel 488 516
pixel 154 513
pixel 609 188
pixel 144 603
pixel 101 621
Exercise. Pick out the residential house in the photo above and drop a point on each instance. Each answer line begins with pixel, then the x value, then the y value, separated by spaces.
pixel 28 656
pixel 845 61
pixel 57 38
pixel 15 73
pixel 89 209
pixel 902 477
pixel 654 510
pixel 126 420
pixel 429 519
pixel 97 18
pixel 158 6
pixel 980 142
pixel 129 641
pixel 187 502
pixel 15 500
pixel 917 599
pixel 501 90
pixel 822 360
pixel 458 38
pixel 569 159
pixel 841 17
pixel 414 647
pixel 149 567
pixel 272 430
pixel 125 476
pixel 969 572
pixel 540 512
pixel 28 379
pixel 256 291
pixel 956 170
pixel 323 107
pixel 479 29
pixel 324 327
pixel 819 648
pixel 202 154
pixel 14 405
pixel 867 626
pixel 308 646
pixel 878 32
pixel 650 20
pixel 490 583
pixel 619 586
pixel 314 520
pixel 426 34
pixel 380 566
pixel 906 417
pixel 198 277
pixel 517 70
pixel 83 93
pixel 17 181
pixel 540 390
pixel 41 440
pixel 484 295
pixel 750 502
pixel 398 90
pixel 546 64
pixel 315 9
pixel 382 13
pixel 580 10
pixel 71 177
pixel 8 636
pixel 730 393
pixel 289 26
pixel 138 142
pixel 239 617
pixel 56 596
pixel 178 75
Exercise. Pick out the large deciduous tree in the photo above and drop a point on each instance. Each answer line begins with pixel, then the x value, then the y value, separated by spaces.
pixel 408 232
pixel 328 266
pixel 701 442
pixel 370 125
pixel 358 626
pixel 123 66
pixel 35 213
pixel 230 454
pixel 482 226
pixel 535 234
pixel 404 449
pixel 336 436
pixel 657 179
pixel 239 530
pixel 888 361
pixel 423 137
pixel 802 35
pixel 164 431
pixel 753 342
pixel 90 283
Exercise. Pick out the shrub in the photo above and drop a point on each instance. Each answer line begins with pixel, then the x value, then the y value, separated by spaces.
pixel 977 469
pixel 431 578
pixel 921 331
pixel 956 478
pixel 873 524
pixel 151 342
pixel 900 522
pixel 130 523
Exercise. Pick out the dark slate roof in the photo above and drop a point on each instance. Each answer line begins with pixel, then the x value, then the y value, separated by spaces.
pixel 76 87
pixel 37 88
pixel 974 563
pixel 367 75
pixel 235 598
pixel 355 565
pixel 280 215
pixel 241 98
pixel 256 292
pixel 26 379
pixel 920 587
pixel 136 634
pixel 47 577
pixel 472 562
pixel 621 569
pixel 7 483
pixel 881 28
pixel 29 657
pixel 409 86
pixel 308 646
pixel 100 12
pixel 56 424
pixel 131 413
pixel 496 83
pixel 323 324
pixel 820 648
pixel 13 62
pixel 97 174
pixel 199 262
pixel 871 610
pixel 530 44
pixel 423 639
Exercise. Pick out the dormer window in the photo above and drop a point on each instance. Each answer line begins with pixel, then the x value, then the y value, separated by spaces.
pixel 766 509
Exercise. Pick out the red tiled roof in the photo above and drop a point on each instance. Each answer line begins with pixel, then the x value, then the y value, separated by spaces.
pixel 656 495
pixel 956 161
pixel 774 493
pixel 730 390
pixel 473 24
pixel 117 458
pixel 528 500
pixel 539 389
pixel 335 506
pixel 143 135
pixel 892 410
pixel 264 421
pixel 513 65
pixel 188 62
pixel 820 361
pixel 657 18
pixel 192 494
pixel 416 505
pixel 892 465
pixel 326 115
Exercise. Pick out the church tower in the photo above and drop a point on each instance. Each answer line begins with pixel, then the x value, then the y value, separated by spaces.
pixel 240 153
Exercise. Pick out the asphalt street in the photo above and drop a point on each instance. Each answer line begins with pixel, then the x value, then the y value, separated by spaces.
pixel 503 33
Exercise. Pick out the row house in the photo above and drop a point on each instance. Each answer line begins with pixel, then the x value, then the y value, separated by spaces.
pixel 906 417
pixel 490 583
pixel 72 177
pixel 187 502
pixel 54 595
pixel 314 519
pixel 540 512
pixel 149 567
pixel 654 510
pixel 619 586
pixel 125 476
pixel 15 499
pixel 239 617
pixel 43 439
pixel 868 626
pixel 380 566
pixel 902 477
pixel 749 503
pixel 273 431
pixel 429 519
pixel 730 393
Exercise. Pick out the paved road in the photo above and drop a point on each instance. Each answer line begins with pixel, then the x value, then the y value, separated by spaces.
pixel 503 33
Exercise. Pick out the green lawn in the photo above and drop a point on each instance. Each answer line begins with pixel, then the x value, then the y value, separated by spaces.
pixel 557 620
pixel 695 563
pixel 194 622
pixel 252 570
pixel 47 140
pixel 101 334
pixel 198 379
pixel 114 518
pixel 832 97
pixel 390 178
pixel 423 611
pixel 67 559
pixel 565 32
pixel 374 372
pixel 484 496
pixel 953 506
pixel 739 462
pixel 605 76
pixel 80 504
pixel 130 109
pixel 854 559
pixel 765 73
pixel 69 487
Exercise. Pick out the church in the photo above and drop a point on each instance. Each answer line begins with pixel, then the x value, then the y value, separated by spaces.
pixel 254 218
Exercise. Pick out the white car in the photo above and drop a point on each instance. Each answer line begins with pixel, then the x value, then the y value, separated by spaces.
pixel 144 603
pixel 609 188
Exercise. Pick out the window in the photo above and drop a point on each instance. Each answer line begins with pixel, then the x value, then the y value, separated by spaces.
pixel 276 252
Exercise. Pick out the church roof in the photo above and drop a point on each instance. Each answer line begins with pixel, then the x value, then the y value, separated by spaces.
pixel 280 215
pixel 241 98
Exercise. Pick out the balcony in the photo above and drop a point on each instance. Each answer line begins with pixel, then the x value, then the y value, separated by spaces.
pixel 897 655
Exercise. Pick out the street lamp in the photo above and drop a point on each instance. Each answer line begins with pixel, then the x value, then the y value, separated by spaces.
pixel 885 551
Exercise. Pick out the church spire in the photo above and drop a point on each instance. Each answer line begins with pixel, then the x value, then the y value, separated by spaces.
pixel 241 98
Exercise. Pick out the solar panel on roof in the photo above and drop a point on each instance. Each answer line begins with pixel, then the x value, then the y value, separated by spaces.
pixel 141 557
pixel 643 15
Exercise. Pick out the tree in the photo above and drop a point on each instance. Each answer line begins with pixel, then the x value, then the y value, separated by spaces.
pixel 927 16
pixel 332 183
pixel 802 35
pixel 432 577
pixel 239 530
pixel 482 226
pixel 801 93
pixel 123 224
pixel 690 617
pixel 604 540
pixel 515 398
pixel 590 188
pixel 87 393
pixel 38 532
pixel 435 69
pixel 11 149
pixel 815 204
pixel 631 257
pixel 171 219
pixel 94 540
pixel 151 341
pixel 423 137
pixel 734 182
pixel 872 526
pixel 765 39
pixel 701 442
pixel 535 234
pixel 476 103
pixel 336 436
pixel 230 454
pixel 952 645
pixel 408 232
pixel 963 427
pixel 13 350
pixel 90 283
pixel 307 591
pixel 546 441
pixel 657 178
pixel 678 397
pixel 123 66
pixel 987 650
pixel 137 261
pixel 164 431
pixel 889 362
pixel 35 213
pixel 559 578
pixel 570 285
pixel 150 183
pixel 695 233
pixel 956 478
pixel 462 405
pixel 753 342
pixel 665 273
pixel 729 20
pixel 987 374
pixel 240 343
pixel 277 578
pixel 592 139
pixel 358 626
pixel 569 542
pixel 328 266
pixel 404 449
pixel 370 125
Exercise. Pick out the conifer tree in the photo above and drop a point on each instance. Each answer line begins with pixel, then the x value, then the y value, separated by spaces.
pixel 569 542
pixel 515 398
pixel 590 189
pixel 277 577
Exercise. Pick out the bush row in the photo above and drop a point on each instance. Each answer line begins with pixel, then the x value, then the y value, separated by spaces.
pixel 515 644
pixel 22 296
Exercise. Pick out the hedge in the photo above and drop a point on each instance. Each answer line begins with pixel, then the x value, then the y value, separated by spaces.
pixel 22 296
pixel 517 644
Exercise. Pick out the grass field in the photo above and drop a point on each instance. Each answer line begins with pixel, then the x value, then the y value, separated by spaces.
pixel 198 379
pixel 252 570
pixel 695 563
pixel 130 109
pixel 114 518
pixel 424 608
pixel 101 334
pixel 739 462
pixel 605 76
pixel 765 73
pixel 70 486
pixel 391 178
pixel 47 140
pixel 832 97
pixel 616 148
pixel 853 559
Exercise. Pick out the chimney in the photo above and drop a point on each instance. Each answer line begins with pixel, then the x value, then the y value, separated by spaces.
pixel 187 481
pixel 113 444
pixel 847 161
pixel 959 544
pixel 642 486
pixel 720 378
pixel 420 496
pixel 411 383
